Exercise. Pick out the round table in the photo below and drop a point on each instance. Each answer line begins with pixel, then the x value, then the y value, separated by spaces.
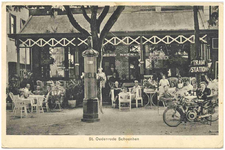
pixel 190 97
pixel 150 93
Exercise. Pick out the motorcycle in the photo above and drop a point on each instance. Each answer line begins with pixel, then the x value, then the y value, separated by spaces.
pixel 195 110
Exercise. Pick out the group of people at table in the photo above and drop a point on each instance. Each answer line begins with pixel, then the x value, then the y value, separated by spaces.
pixel 207 87
pixel 168 92
pixel 41 90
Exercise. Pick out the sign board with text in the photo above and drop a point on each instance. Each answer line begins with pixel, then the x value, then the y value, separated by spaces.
pixel 198 66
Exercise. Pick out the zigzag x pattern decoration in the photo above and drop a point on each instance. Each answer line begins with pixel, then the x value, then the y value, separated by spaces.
pixel 52 42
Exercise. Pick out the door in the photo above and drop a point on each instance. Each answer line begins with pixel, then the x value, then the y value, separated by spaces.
pixel 107 63
pixel 134 68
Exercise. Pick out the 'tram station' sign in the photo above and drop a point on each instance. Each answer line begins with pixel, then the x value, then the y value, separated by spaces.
pixel 198 66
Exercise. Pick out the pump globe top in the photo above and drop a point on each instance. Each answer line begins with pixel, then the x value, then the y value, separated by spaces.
pixel 90 53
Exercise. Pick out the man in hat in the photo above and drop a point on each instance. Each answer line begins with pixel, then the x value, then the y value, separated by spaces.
pixel 136 86
pixel 203 91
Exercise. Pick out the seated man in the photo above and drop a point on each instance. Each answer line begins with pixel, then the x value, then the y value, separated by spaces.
pixel 136 86
pixel 38 91
pixel 27 91
pixel 166 95
pixel 134 89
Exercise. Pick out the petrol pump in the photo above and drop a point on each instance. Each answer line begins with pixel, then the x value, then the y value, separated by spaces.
pixel 90 102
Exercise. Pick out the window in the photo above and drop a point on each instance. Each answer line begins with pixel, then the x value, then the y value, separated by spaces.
pixel 12 27
pixel 71 63
pixel 57 69
pixel 22 23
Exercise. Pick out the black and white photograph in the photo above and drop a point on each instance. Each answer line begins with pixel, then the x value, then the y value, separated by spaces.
pixel 112 73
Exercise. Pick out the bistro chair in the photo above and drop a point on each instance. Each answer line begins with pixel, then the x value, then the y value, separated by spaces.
pixel 139 97
pixel 36 102
pixel 21 106
pixel 113 98
pixel 124 101
pixel 39 104
pixel 46 102
pixel 33 104
pixel 14 98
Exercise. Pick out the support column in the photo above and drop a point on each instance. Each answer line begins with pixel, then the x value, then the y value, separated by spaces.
pixel 66 64
pixel 142 59
pixel 76 62
pixel 18 59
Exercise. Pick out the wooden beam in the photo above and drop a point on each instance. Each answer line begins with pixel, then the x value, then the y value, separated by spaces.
pixel 111 34
pixel 142 58
pixel 76 62
pixel 18 59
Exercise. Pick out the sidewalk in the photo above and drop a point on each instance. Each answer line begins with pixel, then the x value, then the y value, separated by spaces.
pixel 139 121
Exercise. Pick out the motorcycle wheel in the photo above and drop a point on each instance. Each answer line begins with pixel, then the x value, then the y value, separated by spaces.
pixel 172 117
pixel 215 114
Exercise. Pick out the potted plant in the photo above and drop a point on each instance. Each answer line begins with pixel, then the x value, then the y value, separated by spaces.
pixel 149 86
pixel 74 92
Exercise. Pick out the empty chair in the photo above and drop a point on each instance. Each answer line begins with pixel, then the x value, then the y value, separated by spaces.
pixel 36 102
pixel 46 102
pixel 113 98
pixel 39 104
pixel 33 104
pixel 124 101
pixel 14 98
pixel 20 106
pixel 138 97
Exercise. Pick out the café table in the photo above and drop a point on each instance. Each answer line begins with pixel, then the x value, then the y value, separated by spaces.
pixel 150 93
pixel 190 97
pixel 38 103
pixel 27 102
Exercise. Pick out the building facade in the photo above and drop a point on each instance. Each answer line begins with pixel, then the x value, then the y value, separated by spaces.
pixel 16 20
pixel 139 44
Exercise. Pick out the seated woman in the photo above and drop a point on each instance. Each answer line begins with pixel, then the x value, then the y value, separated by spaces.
pixel 164 81
pixel 180 84
pixel 203 92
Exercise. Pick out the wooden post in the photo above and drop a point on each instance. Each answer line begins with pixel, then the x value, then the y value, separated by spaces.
pixel 18 59
pixel 197 42
pixel 25 58
pixel 142 59
pixel 76 62
pixel 66 63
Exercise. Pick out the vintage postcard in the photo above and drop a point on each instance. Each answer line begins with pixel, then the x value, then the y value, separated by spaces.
pixel 112 75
